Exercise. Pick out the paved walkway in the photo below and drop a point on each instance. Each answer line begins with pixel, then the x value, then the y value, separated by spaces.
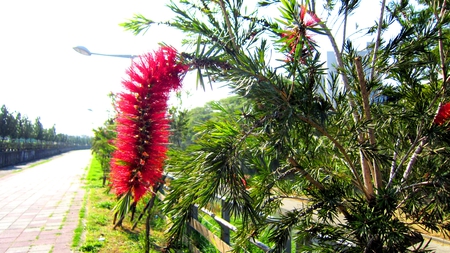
pixel 39 206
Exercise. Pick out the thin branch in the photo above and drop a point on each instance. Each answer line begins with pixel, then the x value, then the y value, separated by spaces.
pixel 418 184
pixel 394 161
pixel 344 32
pixel 395 170
pixel 316 184
pixel 378 40
pixel 149 203
pixel 147 221
pixel 313 6
pixel 340 62
pixel 407 197
pixel 305 174
pixel 359 184
pixel 413 160
pixel 368 116
pixel 441 45
pixel 228 23
pixel 365 171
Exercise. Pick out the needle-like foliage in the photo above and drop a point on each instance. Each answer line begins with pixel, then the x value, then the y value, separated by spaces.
pixel 365 142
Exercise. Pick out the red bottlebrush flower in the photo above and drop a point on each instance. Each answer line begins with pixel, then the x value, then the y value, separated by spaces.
pixel 142 125
pixel 443 114
pixel 308 18
pixel 298 36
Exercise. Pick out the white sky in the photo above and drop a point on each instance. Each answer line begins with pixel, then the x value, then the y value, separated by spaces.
pixel 42 76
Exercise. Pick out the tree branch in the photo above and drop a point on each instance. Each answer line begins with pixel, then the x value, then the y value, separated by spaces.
pixel 344 32
pixel 377 41
pixel 413 160
pixel 394 160
pixel 304 173
pixel 340 61
pixel 376 174
pixel 441 45
pixel 396 169
pixel 359 184
pixel 356 117
pixel 228 23
pixel 425 183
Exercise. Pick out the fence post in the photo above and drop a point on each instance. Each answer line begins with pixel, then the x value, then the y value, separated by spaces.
pixel 189 229
pixel 288 248
pixel 194 212
pixel 225 231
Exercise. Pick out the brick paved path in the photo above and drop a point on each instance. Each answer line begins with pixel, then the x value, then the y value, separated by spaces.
pixel 39 206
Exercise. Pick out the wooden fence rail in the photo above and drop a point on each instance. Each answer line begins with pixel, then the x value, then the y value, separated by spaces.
pixel 222 243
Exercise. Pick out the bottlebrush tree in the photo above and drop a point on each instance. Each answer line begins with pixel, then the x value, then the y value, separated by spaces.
pixel 367 145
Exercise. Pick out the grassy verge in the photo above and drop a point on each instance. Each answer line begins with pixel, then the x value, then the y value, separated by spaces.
pixel 96 233
pixel 79 230
pixel 38 163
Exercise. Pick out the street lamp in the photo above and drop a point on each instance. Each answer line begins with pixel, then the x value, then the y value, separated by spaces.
pixel 84 51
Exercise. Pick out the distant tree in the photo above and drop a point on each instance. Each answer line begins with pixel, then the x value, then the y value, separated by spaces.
pixel 233 103
pixel 179 119
pixel 19 125
pixel 3 122
pixel 19 131
pixel 201 114
pixel 61 138
pixel 103 146
pixel 28 129
pixel 179 127
pixel 50 134
pixel 38 130
pixel 7 123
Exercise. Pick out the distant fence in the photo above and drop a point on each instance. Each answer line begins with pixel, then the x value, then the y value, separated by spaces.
pixel 12 158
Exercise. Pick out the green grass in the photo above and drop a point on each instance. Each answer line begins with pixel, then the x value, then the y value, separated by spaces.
pixel 95 232
pixel 38 163
pixel 32 165
pixel 79 230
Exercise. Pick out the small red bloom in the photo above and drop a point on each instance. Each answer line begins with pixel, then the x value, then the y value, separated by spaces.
pixel 142 125
pixel 299 37
pixel 308 18
pixel 443 114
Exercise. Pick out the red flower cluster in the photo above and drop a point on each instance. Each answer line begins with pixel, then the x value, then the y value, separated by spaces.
pixel 308 18
pixel 443 114
pixel 142 125
pixel 299 36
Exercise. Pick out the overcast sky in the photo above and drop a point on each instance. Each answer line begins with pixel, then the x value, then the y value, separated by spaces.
pixel 42 76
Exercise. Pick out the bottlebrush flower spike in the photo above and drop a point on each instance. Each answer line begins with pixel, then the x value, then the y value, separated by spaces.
pixel 443 114
pixel 142 125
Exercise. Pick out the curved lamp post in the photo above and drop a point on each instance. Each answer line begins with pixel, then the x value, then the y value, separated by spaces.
pixel 84 51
